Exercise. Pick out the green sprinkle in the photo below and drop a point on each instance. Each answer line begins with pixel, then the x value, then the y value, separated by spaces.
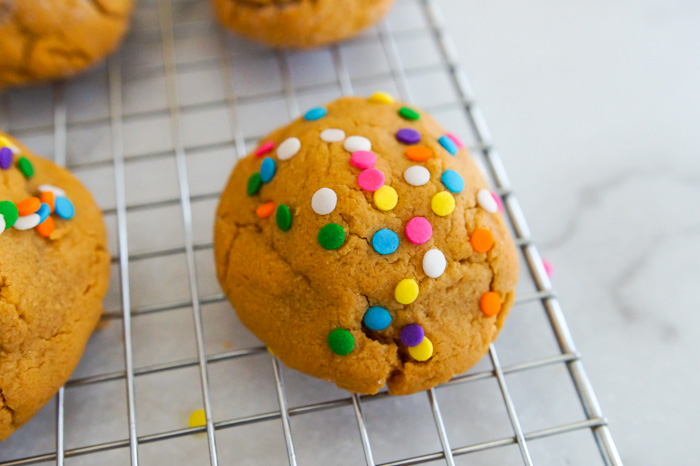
pixel 9 211
pixel 341 341
pixel 254 183
pixel 284 217
pixel 331 236
pixel 409 113
pixel 25 166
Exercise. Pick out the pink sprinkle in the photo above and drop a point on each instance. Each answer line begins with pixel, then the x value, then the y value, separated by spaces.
pixel 458 142
pixel 264 148
pixel 419 230
pixel 497 198
pixel 363 159
pixel 370 179
pixel 548 267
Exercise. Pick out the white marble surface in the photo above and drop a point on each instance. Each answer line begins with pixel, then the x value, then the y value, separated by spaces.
pixel 594 106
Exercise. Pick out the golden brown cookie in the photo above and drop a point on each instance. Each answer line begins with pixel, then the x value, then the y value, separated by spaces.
pixel 52 280
pixel 361 244
pixel 300 23
pixel 49 39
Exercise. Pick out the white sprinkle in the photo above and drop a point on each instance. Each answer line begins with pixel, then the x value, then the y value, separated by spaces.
pixel 324 201
pixel 355 143
pixel 486 201
pixel 2 224
pixel 288 148
pixel 416 175
pixel 332 135
pixel 57 192
pixel 434 263
pixel 27 222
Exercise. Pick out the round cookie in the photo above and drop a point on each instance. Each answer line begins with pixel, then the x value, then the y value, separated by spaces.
pixel 299 23
pixel 49 39
pixel 306 290
pixel 53 279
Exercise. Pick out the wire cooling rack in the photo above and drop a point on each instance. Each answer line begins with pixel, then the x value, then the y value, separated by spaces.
pixel 154 133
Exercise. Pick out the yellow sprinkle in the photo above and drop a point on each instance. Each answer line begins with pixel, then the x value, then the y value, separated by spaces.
pixel 406 291
pixel 5 141
pixel 198 418
pixel 443 203
pixel 423 351
pixel 381 98
pixel 269 350
pixel 385 198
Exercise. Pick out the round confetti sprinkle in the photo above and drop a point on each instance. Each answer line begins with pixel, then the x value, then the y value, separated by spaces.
pixel 8 210
pixel 419 153
pixel 497 198
pixel 377 318
pixel 434 263
pixel 406 291
pixel 332 135
pixel 370 179
pixel 265 210
pixel 419 230
pixel 323 201
pixel 385 241
pixel 57 192
pixel 264 148
pixel 481 240
pixel 267 170
pixel 381 98
pixel 423 351
pixel 27 222
pixel 363 159
pixel 288 148
pixel 331 236
pixel 28 206
pixel 458 142
pixel 48 198
pixel 315 113
pixel 408 136
pixel 448 144
pixel 355 143
pixel 416 175
pixel 341 341
pixel 5 142
pixel 254 184
pixel 487 201
pixel 443 203
pixel 283 217
pixel 409 113
pixel 386 198
pixel 44 212
pixel 198 418
pixel 46 227
pixel 452 181
pixel 490 303
pixel 412 335
pixel 548 267
pixel 5 158
pixel 2 224
pixel 26 167
pixel 64 208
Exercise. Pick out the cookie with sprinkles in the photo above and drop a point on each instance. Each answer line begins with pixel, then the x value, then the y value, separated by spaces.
pixel 387 265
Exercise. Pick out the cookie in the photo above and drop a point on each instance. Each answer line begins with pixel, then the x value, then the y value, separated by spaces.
pixel 54 271
pixel 299 23
pixel 50 39
pixel 362 245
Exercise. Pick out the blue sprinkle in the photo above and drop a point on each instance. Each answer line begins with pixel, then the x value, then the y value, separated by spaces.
pixel 315 113
pixel 448 144
pixel 453 181
pixel 43 212
pixel 377 318
pixel 385 241
pixel 64 208
pixel 267 169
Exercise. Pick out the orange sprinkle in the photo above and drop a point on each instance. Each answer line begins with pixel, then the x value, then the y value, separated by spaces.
pixel 419 153
pixel 48 199
pixel 46 227
pixel 490 303
pixel 481 239
pixel 28 206
pixel 265 210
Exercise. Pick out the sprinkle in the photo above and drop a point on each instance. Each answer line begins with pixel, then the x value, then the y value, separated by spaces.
pixel 408 136
pixel 497 198
pixel 48 198
pixel 315 113
pixel 46 227
pixel 25 166
pixel 5 158
pixel 409 113
pixel 264 148
pixel 487 201
pixel 8 210
pixel 57 192
pixel 423 351
pixel 434 263
pixel 2 225
pixel 416 175
pixel 341 341
pixel 381 98
pixel 370 179
pixel 419 230
pixel 254 184
pixel 198 418
pixel 363 159
pixel 331 236
pixel 288 148
pixel 448 144
pixel 385 241
pixel 548 267
pixel 269 350
pixel 28 206
pixel 406 291
pixel 265 210
pixel 44 212
pixel 267 170
pixel 355 143
pixel 6 142
pixel 490 303
pixel 481 240
pixel 419 153
pixel 64 208
pixel 412 335
pixel 323 201
pixel 27 222
pixel 443 204
pixel 453 181
pixel 458 142
pixel 332 135
pixel 386 198
pixel 377 318
pixel 284 217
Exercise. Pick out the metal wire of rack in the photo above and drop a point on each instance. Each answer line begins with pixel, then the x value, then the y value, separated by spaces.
pixel 162 29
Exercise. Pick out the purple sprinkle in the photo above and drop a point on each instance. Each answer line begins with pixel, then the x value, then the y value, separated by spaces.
pixel 408 136
pixel 5 158
pixel 412 335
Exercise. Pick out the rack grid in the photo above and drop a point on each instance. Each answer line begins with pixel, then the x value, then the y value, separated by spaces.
pixel 153 133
